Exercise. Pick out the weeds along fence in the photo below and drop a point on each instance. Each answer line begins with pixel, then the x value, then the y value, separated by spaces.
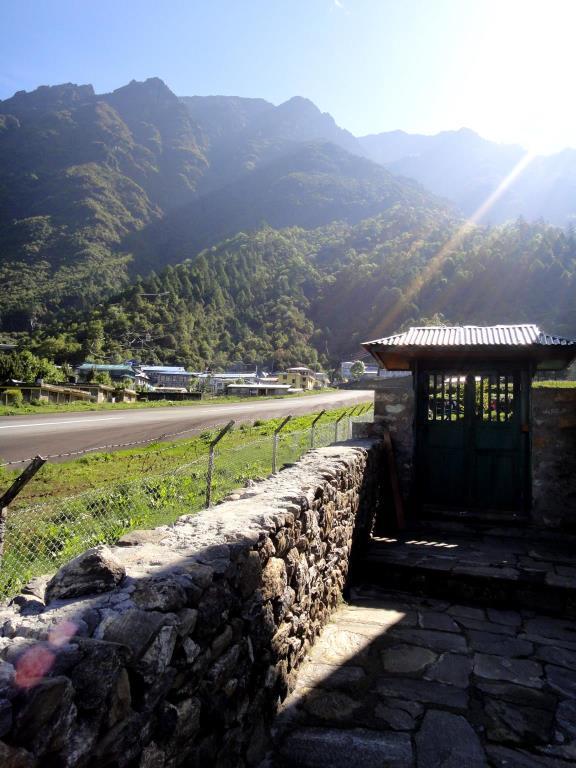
pixel 39 538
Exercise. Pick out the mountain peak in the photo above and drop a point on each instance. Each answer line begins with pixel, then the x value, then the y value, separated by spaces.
pixel 299 104
pixel 50 97
pixel 152 90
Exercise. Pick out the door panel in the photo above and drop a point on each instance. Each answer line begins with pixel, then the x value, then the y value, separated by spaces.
pixel 496 441
pixel 471 442
pixel 445 435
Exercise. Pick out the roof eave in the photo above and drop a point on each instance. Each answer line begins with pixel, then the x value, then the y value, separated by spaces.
pixel 393 358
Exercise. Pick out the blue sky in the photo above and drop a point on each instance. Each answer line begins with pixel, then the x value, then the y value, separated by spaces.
pixel 501 67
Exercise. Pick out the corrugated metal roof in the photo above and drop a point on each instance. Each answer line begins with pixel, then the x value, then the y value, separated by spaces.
pixel 105 367
pixel 472 336
pixel 164 368
pixel 167 369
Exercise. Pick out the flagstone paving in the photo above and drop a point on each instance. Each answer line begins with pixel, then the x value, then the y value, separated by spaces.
pixel 407 682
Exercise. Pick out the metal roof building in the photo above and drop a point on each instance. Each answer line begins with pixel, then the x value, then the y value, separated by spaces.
pixel 462 425
pixel 521 341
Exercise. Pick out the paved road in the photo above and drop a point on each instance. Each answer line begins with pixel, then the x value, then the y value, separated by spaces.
pixel 46 434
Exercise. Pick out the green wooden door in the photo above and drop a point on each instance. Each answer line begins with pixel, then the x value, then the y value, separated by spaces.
pixel 471 448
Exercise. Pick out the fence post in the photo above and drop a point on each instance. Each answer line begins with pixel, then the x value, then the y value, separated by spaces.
pixel 350 417
pixel 313 427
pixel 275 442
pixel 9 495
pixel 213 444
pixel 337 424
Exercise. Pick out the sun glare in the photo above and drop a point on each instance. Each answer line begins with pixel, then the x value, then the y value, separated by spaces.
pixel 514 74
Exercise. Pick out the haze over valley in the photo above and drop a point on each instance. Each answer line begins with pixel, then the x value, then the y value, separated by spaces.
pixel 347 186
pixel 315 238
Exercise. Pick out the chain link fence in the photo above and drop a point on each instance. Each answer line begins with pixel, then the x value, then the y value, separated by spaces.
pixel 40 537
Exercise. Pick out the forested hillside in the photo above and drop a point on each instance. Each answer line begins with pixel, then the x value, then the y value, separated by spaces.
pixel 314 184
pixel 203 229
pixel 296 296
pixel 96 189
pixel 243 134
pixel 78 172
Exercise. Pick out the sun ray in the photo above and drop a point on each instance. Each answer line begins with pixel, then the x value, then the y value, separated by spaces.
pixel 436 262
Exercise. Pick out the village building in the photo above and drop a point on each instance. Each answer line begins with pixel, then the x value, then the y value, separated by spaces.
pixel 269 389
pixel 43 393
pixel 168 375
pixel 299 377
pixel 119 373
pixel 218 382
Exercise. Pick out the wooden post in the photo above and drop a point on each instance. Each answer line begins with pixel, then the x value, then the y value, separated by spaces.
pixel 9 495
pixel 213 444
pixel 313 427
pixel 394 481
pixel 275 443
pixel 337 424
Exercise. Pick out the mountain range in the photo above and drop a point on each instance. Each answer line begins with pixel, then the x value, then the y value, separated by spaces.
pixel 101 193
pixel 468 170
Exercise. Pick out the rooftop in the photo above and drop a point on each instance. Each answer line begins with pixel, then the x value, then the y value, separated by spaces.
pixel 252 374
pixel 300 369
pixel 473 335
pixel 504 341
pixel 167 369
pixel 105 367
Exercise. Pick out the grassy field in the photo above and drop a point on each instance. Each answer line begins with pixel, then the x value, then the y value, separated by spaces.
pixel 22 410
pixel 70 507
pixel 98 469
pixel 554 384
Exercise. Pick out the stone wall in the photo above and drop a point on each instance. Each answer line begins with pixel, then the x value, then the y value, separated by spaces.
pixel 175 647
pixel 554 457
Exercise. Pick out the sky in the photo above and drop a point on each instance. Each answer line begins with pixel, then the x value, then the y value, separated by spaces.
pixel 504 68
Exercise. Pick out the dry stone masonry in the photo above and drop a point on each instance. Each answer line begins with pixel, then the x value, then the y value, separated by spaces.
pixel 176 646
pixel 554 458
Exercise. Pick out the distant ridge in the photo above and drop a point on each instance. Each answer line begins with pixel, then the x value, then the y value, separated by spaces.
pixel 467 169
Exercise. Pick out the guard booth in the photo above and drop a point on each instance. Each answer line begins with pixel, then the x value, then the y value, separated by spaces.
pixel 472 414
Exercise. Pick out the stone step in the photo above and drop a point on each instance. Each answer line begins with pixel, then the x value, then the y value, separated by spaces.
pixel 496 528
pixel 314 747
pixel 481 518
pixel 499 571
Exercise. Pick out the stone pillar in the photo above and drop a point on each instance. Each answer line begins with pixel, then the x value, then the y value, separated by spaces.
pixel 554 457
pixel 394 407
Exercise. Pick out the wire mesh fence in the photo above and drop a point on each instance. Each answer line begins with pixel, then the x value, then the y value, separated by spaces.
pixel 40 537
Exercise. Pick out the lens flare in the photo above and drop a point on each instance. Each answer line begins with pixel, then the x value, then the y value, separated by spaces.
pixel 436 262
pixel 36 662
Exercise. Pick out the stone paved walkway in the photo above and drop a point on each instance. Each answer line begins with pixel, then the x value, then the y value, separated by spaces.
pixel 396 680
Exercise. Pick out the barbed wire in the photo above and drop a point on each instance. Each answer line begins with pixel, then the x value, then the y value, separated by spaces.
pixel 40 535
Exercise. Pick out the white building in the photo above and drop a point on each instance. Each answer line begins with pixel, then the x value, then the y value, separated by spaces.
pixel 168 375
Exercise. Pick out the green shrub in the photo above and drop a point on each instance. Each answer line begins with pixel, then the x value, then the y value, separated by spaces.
pixel 13 397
